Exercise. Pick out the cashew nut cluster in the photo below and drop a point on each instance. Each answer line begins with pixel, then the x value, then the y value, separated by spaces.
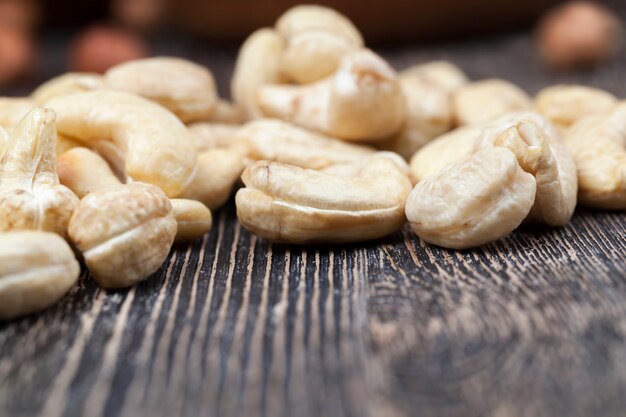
pixel 598 143
pixel 36 270
pixel 514 168
pixel 285 203
pixel 31 197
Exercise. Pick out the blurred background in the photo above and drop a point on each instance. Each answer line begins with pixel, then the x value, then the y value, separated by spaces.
pixel 40 39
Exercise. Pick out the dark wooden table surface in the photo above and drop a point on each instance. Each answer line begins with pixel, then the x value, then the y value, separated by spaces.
pixel 532 325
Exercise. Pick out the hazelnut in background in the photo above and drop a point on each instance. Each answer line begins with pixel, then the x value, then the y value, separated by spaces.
pixel 99 47
pixel 578 34
pixel 17 54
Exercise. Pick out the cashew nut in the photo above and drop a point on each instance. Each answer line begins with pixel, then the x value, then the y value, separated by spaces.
pixel 284 203
pixel 522 133
pixel 317 38
pixel 363 100
pixel 565 104
pixel 31 197
pixel 481 101
pixel 69 83
pixel 183 87
pixel 478 199
pixel 258 63
pixel 124 232
pixel 274 140
pixel 36 270
pixel 598 143
pixel 147 140
pixel 192 217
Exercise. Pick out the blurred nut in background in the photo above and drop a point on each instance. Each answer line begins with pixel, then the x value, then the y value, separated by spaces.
pixel 16 54
pixel 98 48
pixel 139 14
pixel 578 34
pixel 20 14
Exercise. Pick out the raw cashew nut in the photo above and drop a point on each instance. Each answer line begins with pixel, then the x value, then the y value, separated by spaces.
pixel 124 232
pixel 213 135
pixel 218 171
pixel 442 74
pixel 31 197
pixel 478 199
pixel 565 104
pixel 284 203
pixel 183 87
pixel 258 63
pixel 36 270
pixel 480 101
pixel 363 100
pixel 149 142
pixel 428 115
pixel 598 143
pixel 69 83
pixel 274 140
pixel 317 39
pixel 13 109
pixel 193 218
pixel 521 133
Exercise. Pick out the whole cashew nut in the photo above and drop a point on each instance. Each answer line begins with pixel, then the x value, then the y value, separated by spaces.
pixel 284 203
pixel 36 270
pixel 150 143
pixel 598 144
pixel 565 104
pixel 480 101
pixel 124 232
pixel 477 199
pixel 362 101
pixel 183 87
pixel 31 197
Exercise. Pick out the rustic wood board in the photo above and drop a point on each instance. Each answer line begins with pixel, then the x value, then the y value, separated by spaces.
pixel 532 325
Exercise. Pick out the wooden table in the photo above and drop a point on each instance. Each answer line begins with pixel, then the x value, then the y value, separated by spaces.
pixel 532 325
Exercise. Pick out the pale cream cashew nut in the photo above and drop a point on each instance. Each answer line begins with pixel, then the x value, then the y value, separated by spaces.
pixel 139 137
pixel 68 83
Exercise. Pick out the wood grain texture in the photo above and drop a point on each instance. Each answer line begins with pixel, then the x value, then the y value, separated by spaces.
pixel 531 325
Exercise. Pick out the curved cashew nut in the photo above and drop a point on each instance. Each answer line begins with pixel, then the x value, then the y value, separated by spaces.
pixel 183 87
pixel 69 83
pixel 274 140
pixel 480 101
pixel 31 197
pixel 258 63
pixel 554 173
pixel 153 145
pixel 304 18
pixel 363 100
pixel 598 143
pixel 36 270
pixel 124 232
pixel 284 203
pixel 565 104
pixel 477 199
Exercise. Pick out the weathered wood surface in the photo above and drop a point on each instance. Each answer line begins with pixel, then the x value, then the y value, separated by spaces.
pixel 532 325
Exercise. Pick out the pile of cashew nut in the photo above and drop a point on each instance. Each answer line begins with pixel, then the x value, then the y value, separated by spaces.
pixel 113 169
